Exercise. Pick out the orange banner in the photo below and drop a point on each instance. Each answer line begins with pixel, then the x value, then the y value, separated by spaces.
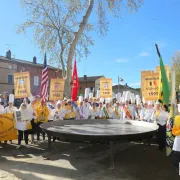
pixel 22 85
pixel 106 88
pixel 7 130
pixel 56 89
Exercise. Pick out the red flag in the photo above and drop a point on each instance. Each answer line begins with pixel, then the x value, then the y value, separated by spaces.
pixel 75 83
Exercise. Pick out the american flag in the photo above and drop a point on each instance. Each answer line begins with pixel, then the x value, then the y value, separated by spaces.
pixel 44 81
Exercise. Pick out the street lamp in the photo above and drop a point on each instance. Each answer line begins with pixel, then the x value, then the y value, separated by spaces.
pixel 119 79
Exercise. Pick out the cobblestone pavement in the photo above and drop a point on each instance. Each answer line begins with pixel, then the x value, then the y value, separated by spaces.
pixel 77 161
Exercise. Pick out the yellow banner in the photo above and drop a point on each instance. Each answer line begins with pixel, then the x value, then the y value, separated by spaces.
pixel 22 85
pixel 7 130
pixel 56 89
pixel 106 88
pixel 150 86
pixel 143 73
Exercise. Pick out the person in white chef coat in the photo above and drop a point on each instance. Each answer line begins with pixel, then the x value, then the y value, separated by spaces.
pixel 1 108
pixel 93 113
pixel 148 111
pixel 21 124
pixel 83 109
pixel 160 117
pixel 176 145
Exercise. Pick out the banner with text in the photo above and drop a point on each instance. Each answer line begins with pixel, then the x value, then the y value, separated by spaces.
pixel 7 130
pixel 106 88
pixel 56 89
pixel 22 87
pixel 143 73
pixel 150 86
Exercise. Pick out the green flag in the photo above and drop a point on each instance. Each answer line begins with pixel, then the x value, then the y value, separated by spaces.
pixel 165 88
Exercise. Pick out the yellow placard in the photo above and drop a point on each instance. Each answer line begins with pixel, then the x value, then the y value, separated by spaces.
pixel 106 88
pixel 143 73
pixel 22 85
pixel 56 89
pixel 166 69
pixel 150 86
pixel 7 130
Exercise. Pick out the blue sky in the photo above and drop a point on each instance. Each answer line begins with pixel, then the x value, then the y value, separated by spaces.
pixel 127 49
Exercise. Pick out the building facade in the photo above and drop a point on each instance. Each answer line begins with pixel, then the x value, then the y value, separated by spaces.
pixel 9 66
pixel 91 82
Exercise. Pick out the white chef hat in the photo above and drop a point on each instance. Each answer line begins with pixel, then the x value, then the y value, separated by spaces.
pixel 150 103
pixel 11 98
pixel 123 100
pixel 80 99
pixel 178 107
pixel 86 93
pixel 98 94
pixel 59 102
pixel 132 97
pixel 138 101
pixel 143 100
pixel 127 96
pixel 31 98
pixel 90 95
pixel 118 97
pixel 157 102
pixel 124 93
pixel 101 100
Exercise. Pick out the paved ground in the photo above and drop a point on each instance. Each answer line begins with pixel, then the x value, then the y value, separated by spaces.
pixel 69 161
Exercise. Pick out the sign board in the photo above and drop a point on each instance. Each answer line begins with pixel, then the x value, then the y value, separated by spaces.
pixel 150 86
pixel 105 87
pixel 7 130
pixel 22 85
pixel 56 89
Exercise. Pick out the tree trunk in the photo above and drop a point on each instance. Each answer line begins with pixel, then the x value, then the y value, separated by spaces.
pixel 77 36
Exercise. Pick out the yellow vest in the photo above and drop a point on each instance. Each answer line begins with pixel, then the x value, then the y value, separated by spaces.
pixel 42 114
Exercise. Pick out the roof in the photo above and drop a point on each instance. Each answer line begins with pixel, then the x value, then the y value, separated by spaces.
pixel 24 62
pixel 89 78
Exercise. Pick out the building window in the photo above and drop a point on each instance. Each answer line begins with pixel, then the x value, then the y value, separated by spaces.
pixel 54 73
pixel 10 67
pixel 36 81
pixel 10 79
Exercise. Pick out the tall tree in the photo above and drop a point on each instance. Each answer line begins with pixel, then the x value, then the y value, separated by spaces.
pixel 61 27
pixel 176 68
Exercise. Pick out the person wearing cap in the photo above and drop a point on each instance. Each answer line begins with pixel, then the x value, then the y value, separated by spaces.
pixel 148 111
pixel 100 111
pixel 93 113
pixel 176 145
pixel 58 113
pixel 69 110
pixel 42 114
pixel 1 108
pixel 160 117
pixel 127 111
pixel 21 125
pixel 83 108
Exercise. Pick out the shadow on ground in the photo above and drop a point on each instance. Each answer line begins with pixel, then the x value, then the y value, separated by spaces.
pixel 86 162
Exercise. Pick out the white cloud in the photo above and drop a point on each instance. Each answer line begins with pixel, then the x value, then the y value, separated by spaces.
pixel 122 60
pixel 144 54
pixel 135 84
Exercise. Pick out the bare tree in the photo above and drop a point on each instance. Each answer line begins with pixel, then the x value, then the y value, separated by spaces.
pixel 176 67
pixel 61 27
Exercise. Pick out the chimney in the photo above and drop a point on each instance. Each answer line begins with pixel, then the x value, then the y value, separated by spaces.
pixel 8 54
pixel 34 60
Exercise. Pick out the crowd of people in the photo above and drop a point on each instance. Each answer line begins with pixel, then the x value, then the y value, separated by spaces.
pixel 127 106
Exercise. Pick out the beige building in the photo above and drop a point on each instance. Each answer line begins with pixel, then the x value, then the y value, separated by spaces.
pixel 7 70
